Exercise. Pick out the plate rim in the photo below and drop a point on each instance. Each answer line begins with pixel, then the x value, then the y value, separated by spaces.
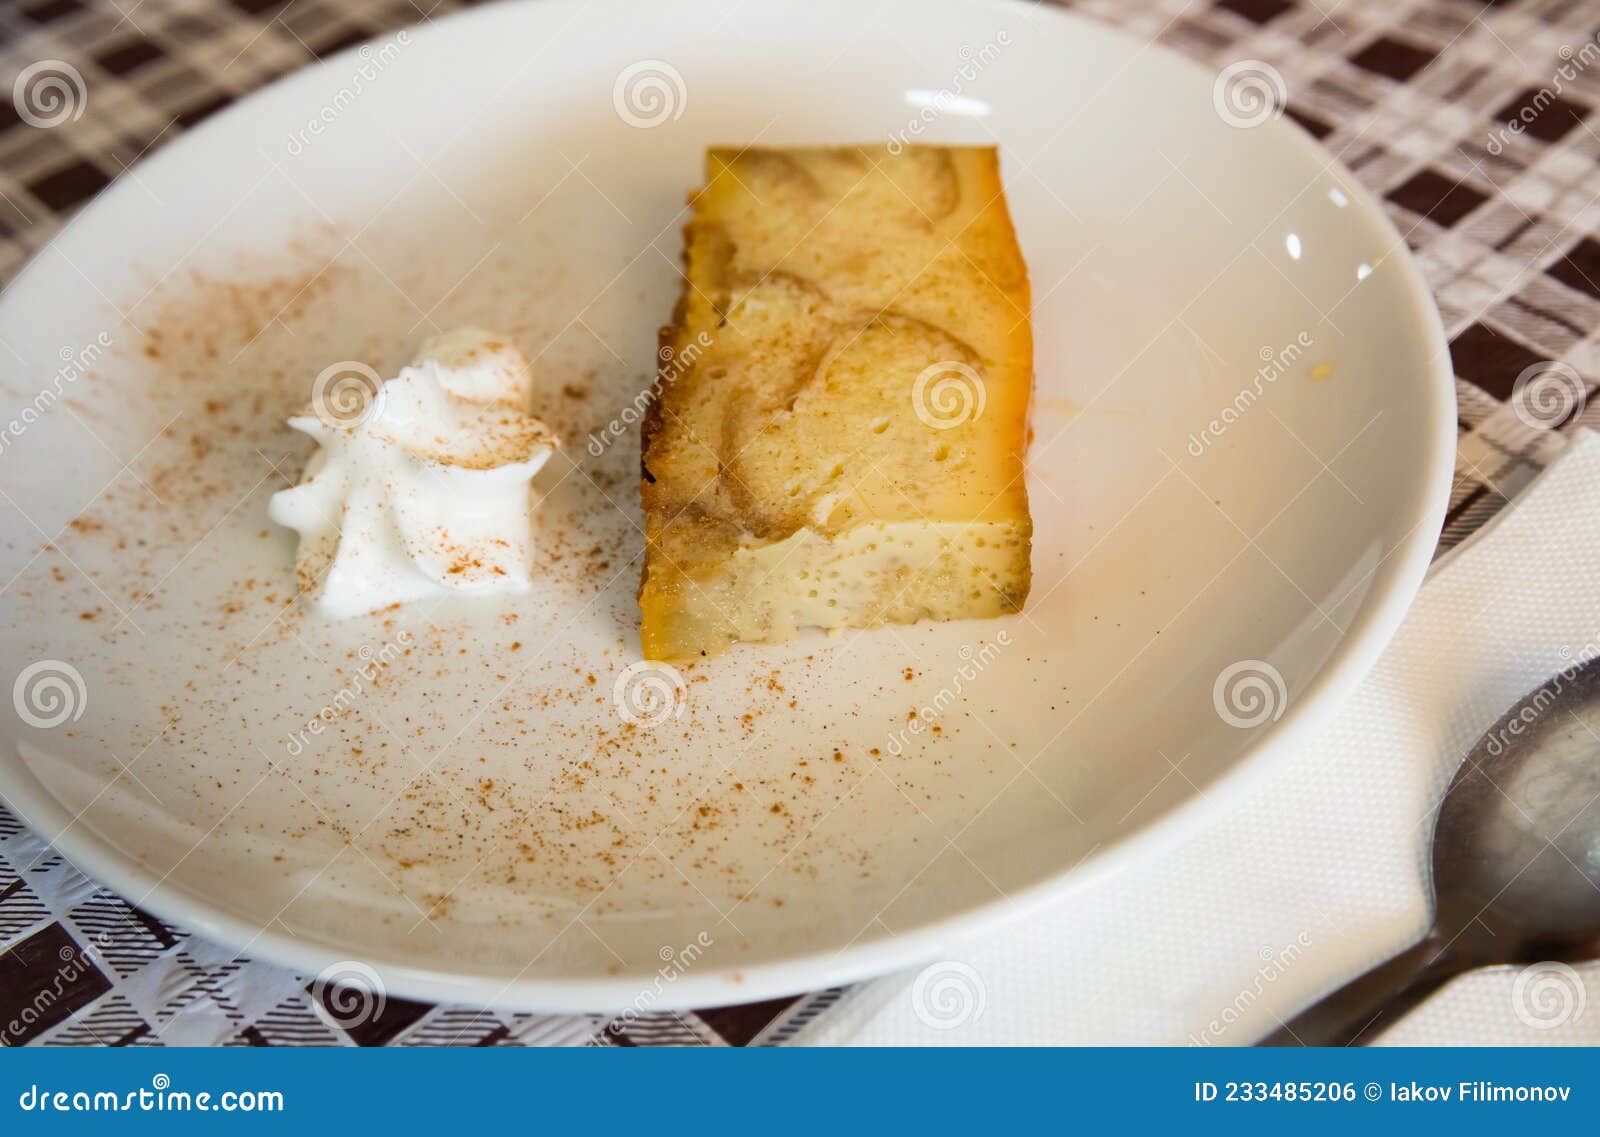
pixel 1401 570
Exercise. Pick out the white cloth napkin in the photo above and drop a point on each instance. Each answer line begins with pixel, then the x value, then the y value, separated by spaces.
pixel 1322 872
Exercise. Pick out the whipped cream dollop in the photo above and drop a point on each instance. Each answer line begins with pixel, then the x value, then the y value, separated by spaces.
pixel 420 485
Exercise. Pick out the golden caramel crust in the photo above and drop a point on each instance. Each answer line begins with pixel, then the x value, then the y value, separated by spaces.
pixel 846 380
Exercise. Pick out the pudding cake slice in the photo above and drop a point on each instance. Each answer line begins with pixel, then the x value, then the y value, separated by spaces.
pixel 836 435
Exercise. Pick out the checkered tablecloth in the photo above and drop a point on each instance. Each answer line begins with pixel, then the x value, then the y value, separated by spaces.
pixel 1474 123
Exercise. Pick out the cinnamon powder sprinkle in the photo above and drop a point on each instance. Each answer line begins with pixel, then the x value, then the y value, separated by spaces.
pixel 544 799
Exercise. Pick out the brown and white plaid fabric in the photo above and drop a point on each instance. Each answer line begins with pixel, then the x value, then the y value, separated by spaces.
pixel 1415 96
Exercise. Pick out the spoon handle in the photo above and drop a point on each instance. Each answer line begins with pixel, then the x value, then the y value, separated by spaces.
pixel 1355 1013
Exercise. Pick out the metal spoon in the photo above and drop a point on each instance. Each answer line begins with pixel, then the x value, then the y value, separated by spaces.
pixel 1516 864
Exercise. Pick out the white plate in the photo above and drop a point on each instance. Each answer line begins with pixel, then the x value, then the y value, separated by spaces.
pixel 479 822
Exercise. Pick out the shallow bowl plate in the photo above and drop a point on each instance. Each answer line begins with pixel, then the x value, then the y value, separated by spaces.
pixel 1242 448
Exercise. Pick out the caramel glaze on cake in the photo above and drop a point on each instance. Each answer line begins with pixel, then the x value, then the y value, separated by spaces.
pixel 837 432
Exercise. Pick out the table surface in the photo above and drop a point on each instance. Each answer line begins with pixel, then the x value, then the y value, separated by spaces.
pixel 1417 97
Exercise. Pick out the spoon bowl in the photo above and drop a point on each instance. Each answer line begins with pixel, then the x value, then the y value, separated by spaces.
pixel 1516 849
